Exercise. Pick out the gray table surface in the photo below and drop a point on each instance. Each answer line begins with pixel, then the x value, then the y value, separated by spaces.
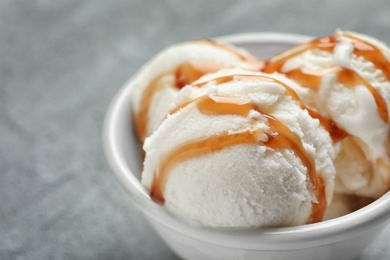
pixel 61 62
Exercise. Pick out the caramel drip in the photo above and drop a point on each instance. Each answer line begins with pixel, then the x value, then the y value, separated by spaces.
pixel 306 79
pixel 276 63
pixel 345 76
pixel 183 75
pixel 141 117
pixel 285 139
pixel 334 131
pixel 349 78
pixel 373 54
pixel 186 74
pixel 361 48
pixel 279 137
pixel 352 79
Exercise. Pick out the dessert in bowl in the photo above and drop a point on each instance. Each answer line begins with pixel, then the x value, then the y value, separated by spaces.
pixel 342 237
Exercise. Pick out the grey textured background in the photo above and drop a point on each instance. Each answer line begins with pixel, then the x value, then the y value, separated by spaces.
pixel 61 62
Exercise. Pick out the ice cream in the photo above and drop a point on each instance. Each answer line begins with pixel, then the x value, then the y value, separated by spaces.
pixel 347 81
pixel 307 139
pixel 239 149
pixel 157 83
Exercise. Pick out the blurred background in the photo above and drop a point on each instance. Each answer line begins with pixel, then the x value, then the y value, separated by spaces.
pixel 61 63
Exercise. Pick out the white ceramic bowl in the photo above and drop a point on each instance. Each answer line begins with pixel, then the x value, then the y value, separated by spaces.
pixel 340 238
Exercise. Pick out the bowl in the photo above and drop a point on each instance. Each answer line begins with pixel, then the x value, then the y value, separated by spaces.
pixel 341 238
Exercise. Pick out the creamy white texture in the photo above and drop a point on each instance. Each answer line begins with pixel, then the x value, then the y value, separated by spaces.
pixel 353 109
pixel 243 185
pixel 361 119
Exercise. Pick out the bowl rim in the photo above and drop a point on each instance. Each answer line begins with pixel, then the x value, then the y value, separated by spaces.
pixel 304 236
pixel 264 37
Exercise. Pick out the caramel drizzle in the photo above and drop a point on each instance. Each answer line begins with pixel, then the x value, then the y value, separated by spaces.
pixel 141 116
pixel 183 75
pixel 279 137
pixel 334 131
pixel 348 77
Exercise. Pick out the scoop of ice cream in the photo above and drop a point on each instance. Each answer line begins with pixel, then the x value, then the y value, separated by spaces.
pixel 347 81
pixel 156 85
pixel 238 150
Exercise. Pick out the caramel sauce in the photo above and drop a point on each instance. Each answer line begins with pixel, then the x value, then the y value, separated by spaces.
pixel 141 117
pixel 306 78
pixel 186 74
pixel 334 131
pixel 183 75
pixel 361 48
pixel 348 77
pixel 352 79
pixel 279 137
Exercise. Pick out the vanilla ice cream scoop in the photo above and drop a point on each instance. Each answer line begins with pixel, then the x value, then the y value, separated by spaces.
pixel 239 150
pixel 156 85
pixel 347 81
